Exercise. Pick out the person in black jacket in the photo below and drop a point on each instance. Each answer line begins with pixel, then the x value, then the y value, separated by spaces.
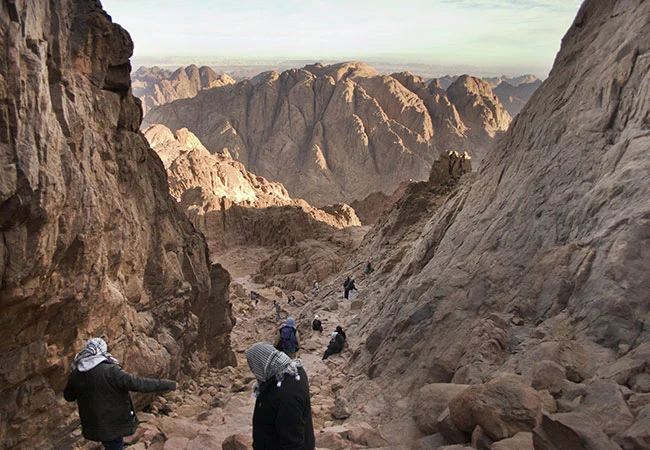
pixel 282 416
pixel 101 389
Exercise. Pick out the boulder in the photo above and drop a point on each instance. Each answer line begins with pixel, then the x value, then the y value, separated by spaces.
pixel 637 437
pixel 176 443
pixel 340 410
pixel 640 382
pixel 548 375
pixel 502 407
pixel 480 440
pixel 629 365
pixel 430 401
pixel 366 435
pixel 570 431
pixel 520 441
pixel 237 442
pixel 603 402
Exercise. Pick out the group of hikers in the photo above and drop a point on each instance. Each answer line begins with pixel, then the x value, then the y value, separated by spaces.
pixel 282 416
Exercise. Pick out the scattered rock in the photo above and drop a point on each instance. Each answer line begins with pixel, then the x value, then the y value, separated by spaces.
pixel 604 404
pixel 548 375
pixel 238 442
pixel 430 401
pixel 341 410
pixel 637 437
pixel 520 441
pixel 570 431
pixel 502 407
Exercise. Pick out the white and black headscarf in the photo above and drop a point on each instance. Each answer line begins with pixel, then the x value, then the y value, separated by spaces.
pixel 94 352
pixel 267 363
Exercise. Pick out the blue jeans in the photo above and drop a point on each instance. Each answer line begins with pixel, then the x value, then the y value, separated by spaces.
pixel 117 444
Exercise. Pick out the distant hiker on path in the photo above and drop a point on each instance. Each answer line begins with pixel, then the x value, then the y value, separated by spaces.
pixel 335 345
pixel 278 308
pixel 282 416
pixel 315 288
pixel 288 339
pixel 316 324
pixel 291 298
pixel 255 297
pixel 349 288
pixel 101 389
pixel 369 268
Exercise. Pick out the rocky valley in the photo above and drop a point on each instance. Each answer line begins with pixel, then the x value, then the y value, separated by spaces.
pixel 508 307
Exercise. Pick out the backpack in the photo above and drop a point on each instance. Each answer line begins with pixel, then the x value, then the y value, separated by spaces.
pixel 346 283
pixel 288 340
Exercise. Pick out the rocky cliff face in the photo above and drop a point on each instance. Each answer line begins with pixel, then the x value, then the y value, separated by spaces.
pixel 334 133
pixel 92 242
pixel 545 254
pixel 155 86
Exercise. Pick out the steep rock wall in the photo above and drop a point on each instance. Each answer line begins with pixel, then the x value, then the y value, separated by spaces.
pixel 92 244
pixel 548 246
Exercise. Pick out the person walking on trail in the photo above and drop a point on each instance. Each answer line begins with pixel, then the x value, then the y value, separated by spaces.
pixel 282 416
pixel 288 339
pixel 278 309
pixel 369 268
pixel 335 345
pixel 315 288
pixel 255 297
pixel 101 389
pixel 349 288
pixel 316 324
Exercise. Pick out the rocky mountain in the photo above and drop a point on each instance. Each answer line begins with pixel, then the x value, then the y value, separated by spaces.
pixel 514 97
pixel 338 133
pixel 234 207
pixel 155 86
pixel 534 266
pixel 512 92
pixel 92 242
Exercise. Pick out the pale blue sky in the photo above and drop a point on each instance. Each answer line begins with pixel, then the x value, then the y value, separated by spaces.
pixel 515 35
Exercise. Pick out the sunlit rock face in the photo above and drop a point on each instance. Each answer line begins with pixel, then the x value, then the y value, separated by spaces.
pixel 92 242
pixel 339 133
pixel 155 86
pixel 541 255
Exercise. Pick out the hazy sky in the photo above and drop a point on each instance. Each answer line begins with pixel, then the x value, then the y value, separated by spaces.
pixel 513 35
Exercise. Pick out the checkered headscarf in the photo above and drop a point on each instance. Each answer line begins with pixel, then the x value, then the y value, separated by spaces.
pixel 266 363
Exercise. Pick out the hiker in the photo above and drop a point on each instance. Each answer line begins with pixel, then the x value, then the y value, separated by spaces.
pixel 316 324
pixel 369 268
pixel 349 289
pixel 340 331
pixel 288 338
pixel 346 289
pixel 336 344
pixel 291 298
pixel 277 307
pixel 255 297
pixel 101 389
pixel 315 288
pixel 282 415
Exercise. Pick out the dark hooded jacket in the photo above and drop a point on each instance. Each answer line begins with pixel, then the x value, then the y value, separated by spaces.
pixel 105 406
pixel 282 417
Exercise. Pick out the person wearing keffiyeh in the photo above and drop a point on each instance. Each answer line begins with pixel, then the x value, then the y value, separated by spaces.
pixel 101 390
pixel 282 417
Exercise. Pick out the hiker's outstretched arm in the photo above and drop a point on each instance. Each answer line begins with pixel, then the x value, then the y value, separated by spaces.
pixel 129 382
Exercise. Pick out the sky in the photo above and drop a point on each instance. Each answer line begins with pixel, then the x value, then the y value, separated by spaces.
pixel 499 36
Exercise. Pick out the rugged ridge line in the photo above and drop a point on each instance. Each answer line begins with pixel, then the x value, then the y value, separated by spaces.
pixel 335 133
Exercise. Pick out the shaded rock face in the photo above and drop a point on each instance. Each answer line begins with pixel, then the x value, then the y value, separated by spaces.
pixel 546 249
pixel 513 98
pixel 92 242
pixel 155 86
pixel 370 208
pixel 332 133
pixel 233 206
